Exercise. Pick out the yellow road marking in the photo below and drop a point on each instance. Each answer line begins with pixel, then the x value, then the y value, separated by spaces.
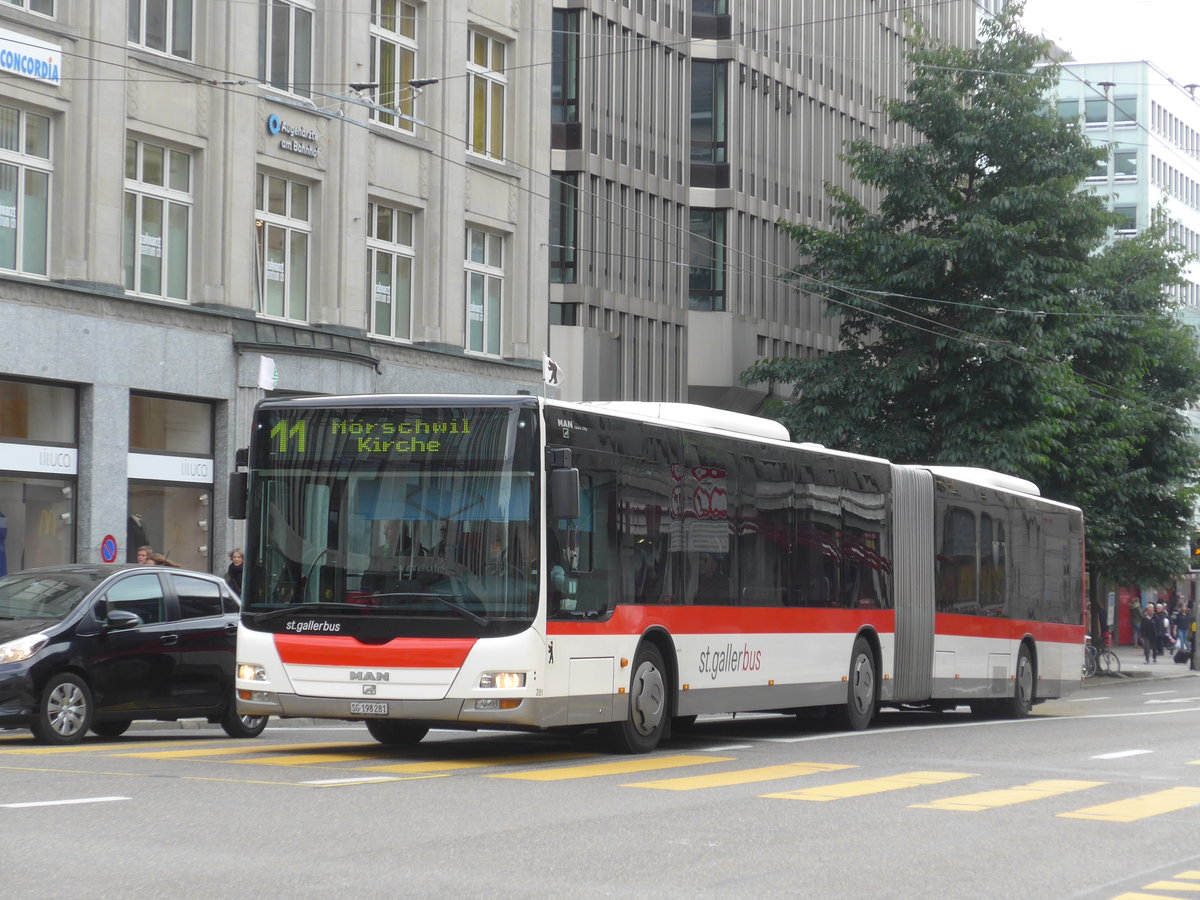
pixel 741 776
pixel 1172 886
pixel 454 765
pixel 99 748
pixel 1035 790
pixel 309 759
pixel 1134 895
pixel 1142 807
pixel 228 750
pixel 623 767
pixel 870 786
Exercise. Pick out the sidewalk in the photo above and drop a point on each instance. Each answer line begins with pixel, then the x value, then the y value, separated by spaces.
pixel 1134 665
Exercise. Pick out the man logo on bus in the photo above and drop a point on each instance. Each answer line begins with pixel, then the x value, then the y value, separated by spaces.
pixel 369 676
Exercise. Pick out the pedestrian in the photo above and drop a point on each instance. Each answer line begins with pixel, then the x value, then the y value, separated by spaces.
pixel 144 553
pixel 1162 630
pixel 1135 619
pixel 1150 639
pixel 233 575
pixel 1181 623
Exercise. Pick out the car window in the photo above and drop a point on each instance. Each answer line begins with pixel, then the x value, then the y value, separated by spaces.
pixel 230 603
pixel 138 594
pixel 198 597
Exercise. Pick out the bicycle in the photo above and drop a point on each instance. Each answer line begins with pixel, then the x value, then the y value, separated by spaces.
pixel 1099 659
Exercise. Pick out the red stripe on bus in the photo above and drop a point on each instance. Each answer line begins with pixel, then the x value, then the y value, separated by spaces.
pixel 629 619
pixel 400 653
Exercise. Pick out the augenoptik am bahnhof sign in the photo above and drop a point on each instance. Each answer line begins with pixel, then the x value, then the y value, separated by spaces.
pixel 293 138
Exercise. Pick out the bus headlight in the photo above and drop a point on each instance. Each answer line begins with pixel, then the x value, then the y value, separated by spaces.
pixel 504 680
pixel 251 672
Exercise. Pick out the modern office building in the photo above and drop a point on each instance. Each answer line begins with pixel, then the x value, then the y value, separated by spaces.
pixel 680 138
pixel 202 204
pixel 1151 125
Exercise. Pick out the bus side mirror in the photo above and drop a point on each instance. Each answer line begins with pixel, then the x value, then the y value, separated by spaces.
pixel 564 494
pixel 239 488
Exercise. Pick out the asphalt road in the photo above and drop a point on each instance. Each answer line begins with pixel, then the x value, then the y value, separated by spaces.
pixel 1095 796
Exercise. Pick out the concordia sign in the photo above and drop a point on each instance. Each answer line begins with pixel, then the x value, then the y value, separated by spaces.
pixel 30 58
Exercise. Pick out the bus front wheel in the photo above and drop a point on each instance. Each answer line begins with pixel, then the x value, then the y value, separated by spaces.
pixel 396 733
pixel 646 721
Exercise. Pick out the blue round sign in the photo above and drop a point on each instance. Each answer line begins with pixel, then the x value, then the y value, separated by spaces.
pixel 273 124
pixel 108 549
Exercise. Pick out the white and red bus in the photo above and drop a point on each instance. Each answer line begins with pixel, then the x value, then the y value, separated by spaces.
pixel 514 562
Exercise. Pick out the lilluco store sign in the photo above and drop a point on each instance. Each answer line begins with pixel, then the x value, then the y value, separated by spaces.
pixel 293 138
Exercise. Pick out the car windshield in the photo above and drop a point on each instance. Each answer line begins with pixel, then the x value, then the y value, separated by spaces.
pixel 42 595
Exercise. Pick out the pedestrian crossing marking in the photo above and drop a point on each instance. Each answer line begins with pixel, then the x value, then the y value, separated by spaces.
pixel 1143 807
pixel 417 768
pixel 621 767
pixel 849 789
pixel 1035 790
pixel 739 776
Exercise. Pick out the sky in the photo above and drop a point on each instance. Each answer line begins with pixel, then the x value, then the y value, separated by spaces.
pixel 1164 32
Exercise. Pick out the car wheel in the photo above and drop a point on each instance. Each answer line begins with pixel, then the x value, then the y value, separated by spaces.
pixel 395 732
pixel 646 722
pixel 112 729
pixel 238 726
pixel 65 711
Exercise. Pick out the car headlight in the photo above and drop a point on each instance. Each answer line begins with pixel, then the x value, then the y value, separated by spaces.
pixel 22 648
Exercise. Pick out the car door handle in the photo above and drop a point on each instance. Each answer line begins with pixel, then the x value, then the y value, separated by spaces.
pixel 231 627
pixel 169 639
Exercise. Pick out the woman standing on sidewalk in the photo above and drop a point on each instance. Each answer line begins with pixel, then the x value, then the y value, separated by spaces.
pixel 1135 619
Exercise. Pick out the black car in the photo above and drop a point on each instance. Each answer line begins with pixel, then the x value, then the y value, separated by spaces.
pixel 97 646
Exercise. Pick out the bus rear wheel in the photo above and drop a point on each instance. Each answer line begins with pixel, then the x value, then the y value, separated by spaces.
pixel 1019 705
pixel 646 721
pixel 862 690
pixel 395 733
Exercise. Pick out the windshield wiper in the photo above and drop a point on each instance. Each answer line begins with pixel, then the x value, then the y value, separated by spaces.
pixel 323 606
pixel 482 621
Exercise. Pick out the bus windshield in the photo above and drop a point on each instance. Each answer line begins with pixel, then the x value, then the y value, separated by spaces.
pixel 380 512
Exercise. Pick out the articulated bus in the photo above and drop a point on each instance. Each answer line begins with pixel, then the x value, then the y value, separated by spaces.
pixel 515 562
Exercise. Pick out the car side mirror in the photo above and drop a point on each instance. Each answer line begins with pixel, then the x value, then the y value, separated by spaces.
pixel 118 619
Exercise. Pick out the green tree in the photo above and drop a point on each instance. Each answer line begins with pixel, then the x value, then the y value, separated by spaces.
pixel 986 319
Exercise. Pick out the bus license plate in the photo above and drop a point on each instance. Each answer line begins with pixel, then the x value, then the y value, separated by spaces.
pixel 362 708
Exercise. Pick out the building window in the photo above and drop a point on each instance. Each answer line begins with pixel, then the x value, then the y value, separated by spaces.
pixel 1127 216
pixel 1099 171
pixel 285 46
pixel 564 219
pixel 708 130
pixel 283 239
pixel 161 25
pixel 393 62
pixel 488 84
pixel 1124 110
pixel 485 290
pixel 390 255
pixel 1095 111
pixel 1068 110
pixel 24 190
pixel 44 7
pixel 564 73
pixel 158 209
pixel 170 479
pixel 706 260
pixel 1125 165
pixel 38 469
